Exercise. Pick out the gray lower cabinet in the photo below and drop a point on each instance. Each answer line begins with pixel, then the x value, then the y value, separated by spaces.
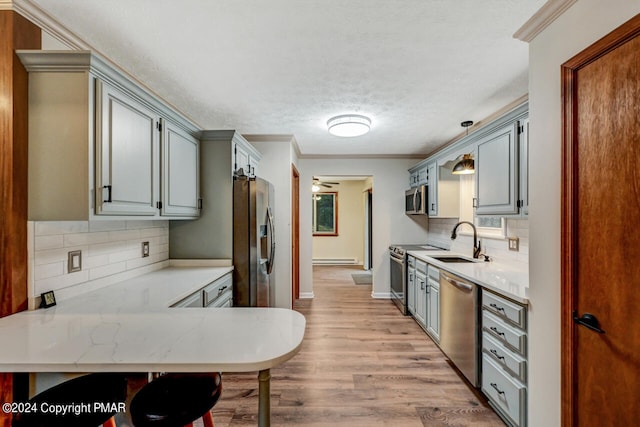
pixel 219 293
pixel 504 357
pixel 433 303
pixel 216 294
pixel 421 293
pixel 411 285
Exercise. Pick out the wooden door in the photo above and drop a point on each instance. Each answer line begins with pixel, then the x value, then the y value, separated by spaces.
pixel 295 235
pixel 601 232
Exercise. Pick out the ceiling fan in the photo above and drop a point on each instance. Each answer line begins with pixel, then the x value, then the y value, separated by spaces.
pixel 326 184
pixel 317 183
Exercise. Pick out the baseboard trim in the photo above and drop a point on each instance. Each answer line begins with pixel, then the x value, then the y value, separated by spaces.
pixel 381 295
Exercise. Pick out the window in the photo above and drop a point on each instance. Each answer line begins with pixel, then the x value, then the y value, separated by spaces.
pixel 325 214
pixel 491 226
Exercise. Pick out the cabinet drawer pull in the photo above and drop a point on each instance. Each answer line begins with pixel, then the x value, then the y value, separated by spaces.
pixel 497 307
pixel 495 353
pixel 494 329
pixel 221 290
pixel 494 385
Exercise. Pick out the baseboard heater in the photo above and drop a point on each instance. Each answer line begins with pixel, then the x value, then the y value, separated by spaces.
pixel 335 261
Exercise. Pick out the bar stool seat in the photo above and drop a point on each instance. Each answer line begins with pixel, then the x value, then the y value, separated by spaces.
pixel 106 388
pixel 176 400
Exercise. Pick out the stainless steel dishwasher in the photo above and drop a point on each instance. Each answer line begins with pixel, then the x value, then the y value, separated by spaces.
pixel 459 323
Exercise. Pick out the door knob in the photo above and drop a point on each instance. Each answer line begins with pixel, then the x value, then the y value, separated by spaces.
pixel 588 320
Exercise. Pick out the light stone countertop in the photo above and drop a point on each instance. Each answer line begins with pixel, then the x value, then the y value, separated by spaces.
pixel 508 279
pixel 130 327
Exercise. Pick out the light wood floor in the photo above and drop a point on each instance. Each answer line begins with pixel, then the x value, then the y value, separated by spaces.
pixel 361 364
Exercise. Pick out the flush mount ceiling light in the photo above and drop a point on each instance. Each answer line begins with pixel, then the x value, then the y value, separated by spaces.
pixel 349 125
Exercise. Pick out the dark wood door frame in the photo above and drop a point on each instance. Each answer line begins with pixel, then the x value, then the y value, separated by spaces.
pixel 15 33
pixel 295 235
pixel 618 37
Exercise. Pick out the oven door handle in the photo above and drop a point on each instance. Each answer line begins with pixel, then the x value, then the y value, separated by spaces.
pixel 398 260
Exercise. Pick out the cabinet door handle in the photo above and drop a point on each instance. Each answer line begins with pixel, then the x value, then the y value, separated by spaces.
pixel 494 329
pixel 495 353
pixel 494 385
pixel 497 307
pixel 108 188
pixel 475 202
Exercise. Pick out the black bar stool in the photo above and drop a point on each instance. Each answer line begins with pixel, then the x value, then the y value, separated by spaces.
pixel 174 400
pixel 108 390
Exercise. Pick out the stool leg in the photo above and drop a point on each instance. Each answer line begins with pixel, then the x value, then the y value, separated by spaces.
pixel 111 422
pixel 207 419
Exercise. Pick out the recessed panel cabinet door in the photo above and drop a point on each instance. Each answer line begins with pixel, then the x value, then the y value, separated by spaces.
pixel 180 172
pixel 496 173
pixel 127 154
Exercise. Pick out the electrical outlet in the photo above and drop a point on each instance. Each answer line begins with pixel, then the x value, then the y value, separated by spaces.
pixel 514 244
pixel 145 249
pixel 74 261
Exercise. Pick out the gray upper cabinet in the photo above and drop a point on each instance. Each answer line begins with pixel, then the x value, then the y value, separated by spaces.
pixel 496 172
pixel 127 154
pixel 85 112
pixel 245 157
pixel 180 172
pixel 418 176
pixel 432 194
pixel 523 135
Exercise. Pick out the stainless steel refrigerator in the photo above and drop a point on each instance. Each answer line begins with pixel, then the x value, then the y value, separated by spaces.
pixel 253 243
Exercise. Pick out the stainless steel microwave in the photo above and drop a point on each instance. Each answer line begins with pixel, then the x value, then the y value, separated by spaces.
pixel 415 200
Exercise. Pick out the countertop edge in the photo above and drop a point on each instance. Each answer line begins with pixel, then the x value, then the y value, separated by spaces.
pixel 522 299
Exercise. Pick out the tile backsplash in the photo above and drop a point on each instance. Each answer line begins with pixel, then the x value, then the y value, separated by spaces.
pixel 109 248
pixel 497 249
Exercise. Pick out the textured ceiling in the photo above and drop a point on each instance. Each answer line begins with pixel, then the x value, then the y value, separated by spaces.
pixel 417 68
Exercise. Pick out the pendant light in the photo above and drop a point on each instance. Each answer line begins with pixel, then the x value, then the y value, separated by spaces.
pixel 466 165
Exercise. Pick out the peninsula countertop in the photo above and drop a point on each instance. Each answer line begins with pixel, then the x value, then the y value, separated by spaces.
pixel 130 327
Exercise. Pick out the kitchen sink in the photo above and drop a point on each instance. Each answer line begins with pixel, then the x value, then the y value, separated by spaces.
pixel 453 259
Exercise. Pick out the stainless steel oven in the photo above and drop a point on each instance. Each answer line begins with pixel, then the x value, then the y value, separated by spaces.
pixel 398 272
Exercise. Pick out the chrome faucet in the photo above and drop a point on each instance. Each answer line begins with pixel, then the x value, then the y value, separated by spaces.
pixel 476 242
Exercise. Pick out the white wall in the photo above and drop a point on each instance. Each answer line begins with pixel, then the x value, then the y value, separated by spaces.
pixel 390 224
pixel 580 26
pixel 349 243
pixel 275 167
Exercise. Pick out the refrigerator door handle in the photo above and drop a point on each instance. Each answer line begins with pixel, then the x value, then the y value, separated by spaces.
pixel 272 252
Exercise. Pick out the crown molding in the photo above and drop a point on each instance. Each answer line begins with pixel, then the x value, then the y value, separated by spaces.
pixel 47 23
pixel 287 137
pixel 6 4
pixel 362 156
pixel 544 17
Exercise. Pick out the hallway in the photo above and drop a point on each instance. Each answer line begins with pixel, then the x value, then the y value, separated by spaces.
pixel 361 364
